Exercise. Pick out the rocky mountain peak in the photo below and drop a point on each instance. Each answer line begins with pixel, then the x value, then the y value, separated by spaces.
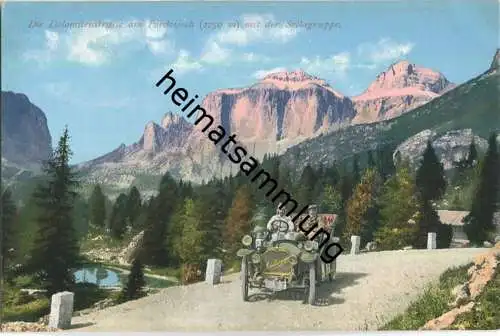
pixel 404 75
pixel 25 135
pixel 295 80
pixel 291 76
pixel 171 119
pixel 402 87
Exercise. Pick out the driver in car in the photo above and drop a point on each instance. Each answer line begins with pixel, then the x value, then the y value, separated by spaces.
pixel 279 224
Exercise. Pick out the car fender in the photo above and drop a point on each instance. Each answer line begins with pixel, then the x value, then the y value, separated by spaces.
pixel 244 252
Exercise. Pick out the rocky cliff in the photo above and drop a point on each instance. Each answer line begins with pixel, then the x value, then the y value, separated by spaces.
pixel 281 110
pixel 26 139
pixel 402 87
pixel 472 105
pixel 450 147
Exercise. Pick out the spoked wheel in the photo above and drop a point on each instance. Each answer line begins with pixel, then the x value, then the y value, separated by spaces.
pixel 310 288
pixel 244 278
pixel 306 291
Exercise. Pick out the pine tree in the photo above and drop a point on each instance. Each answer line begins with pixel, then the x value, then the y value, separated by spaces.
pixel 306 185
pixel 331 200
pixel 398 205
pixel 134 204
pixel 7 232
pixel 97 203
pixel 56 249
pixel 190 245
pixel 159 213
pixel 427 220
pixel 238 220
pixel 472 155
pixel 430 180
pixel 479 222
pixel 370 161
pixel 118 218
pixel 214 203
pixel 463 168
pixel 134 288
pixel 361 217
pixel 356 171
pixel 431 185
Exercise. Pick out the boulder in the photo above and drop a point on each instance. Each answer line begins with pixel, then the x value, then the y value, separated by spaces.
pixel 128 254
pixel 487 244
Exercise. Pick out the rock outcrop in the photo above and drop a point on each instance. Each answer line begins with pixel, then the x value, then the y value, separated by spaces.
pixel 450 147
pixel 26 326
pixel 26 139
pixel 480 274
pixel 128 254
pixel 402 87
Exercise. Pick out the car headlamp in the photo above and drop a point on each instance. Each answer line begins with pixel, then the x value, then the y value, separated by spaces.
pixel 247 240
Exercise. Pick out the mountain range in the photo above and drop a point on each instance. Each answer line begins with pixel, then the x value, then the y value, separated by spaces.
pixel 293 113
pixel 281 110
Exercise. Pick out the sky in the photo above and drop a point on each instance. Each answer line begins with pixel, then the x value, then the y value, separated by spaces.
pixel 99 81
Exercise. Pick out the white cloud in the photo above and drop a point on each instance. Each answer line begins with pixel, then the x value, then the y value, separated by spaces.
pixel 219 48
pixel 337 64
pixel 185 63
pixel 214 53
pixel 384 50
pixel 94 46
pixel 263 73
pixel 44 55
pixel 161 47
pixel 253 57
pixel 52 39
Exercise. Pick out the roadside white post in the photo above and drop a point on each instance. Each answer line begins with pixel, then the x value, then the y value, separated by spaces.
pixel 431 240
pixel 61 310
pixel 214 270
pixel 355 243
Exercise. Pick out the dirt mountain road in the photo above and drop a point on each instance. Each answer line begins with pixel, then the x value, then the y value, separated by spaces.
pixel 369 289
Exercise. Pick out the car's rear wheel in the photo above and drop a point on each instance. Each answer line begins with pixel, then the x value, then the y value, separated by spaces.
pixel 244 278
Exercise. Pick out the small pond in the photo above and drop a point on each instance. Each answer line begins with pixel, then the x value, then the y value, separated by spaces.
pixel 105 277
pixel 98 275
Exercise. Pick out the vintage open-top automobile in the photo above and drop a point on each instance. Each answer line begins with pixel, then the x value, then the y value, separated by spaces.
pixel 280 257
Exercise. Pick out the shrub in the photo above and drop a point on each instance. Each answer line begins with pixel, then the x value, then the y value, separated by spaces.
pixel 86 294
pixel 29 312
pixel 395 238
pixel 190 274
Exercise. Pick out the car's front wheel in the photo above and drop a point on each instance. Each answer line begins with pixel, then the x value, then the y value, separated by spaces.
pixel 310 288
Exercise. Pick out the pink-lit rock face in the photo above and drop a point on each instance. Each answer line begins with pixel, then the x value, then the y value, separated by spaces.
pixel 402 87
pixel 283 105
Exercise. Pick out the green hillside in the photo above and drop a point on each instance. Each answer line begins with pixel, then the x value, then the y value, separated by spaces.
pixel 473 105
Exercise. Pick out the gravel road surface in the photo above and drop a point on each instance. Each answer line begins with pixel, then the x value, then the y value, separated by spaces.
pixel 369 290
